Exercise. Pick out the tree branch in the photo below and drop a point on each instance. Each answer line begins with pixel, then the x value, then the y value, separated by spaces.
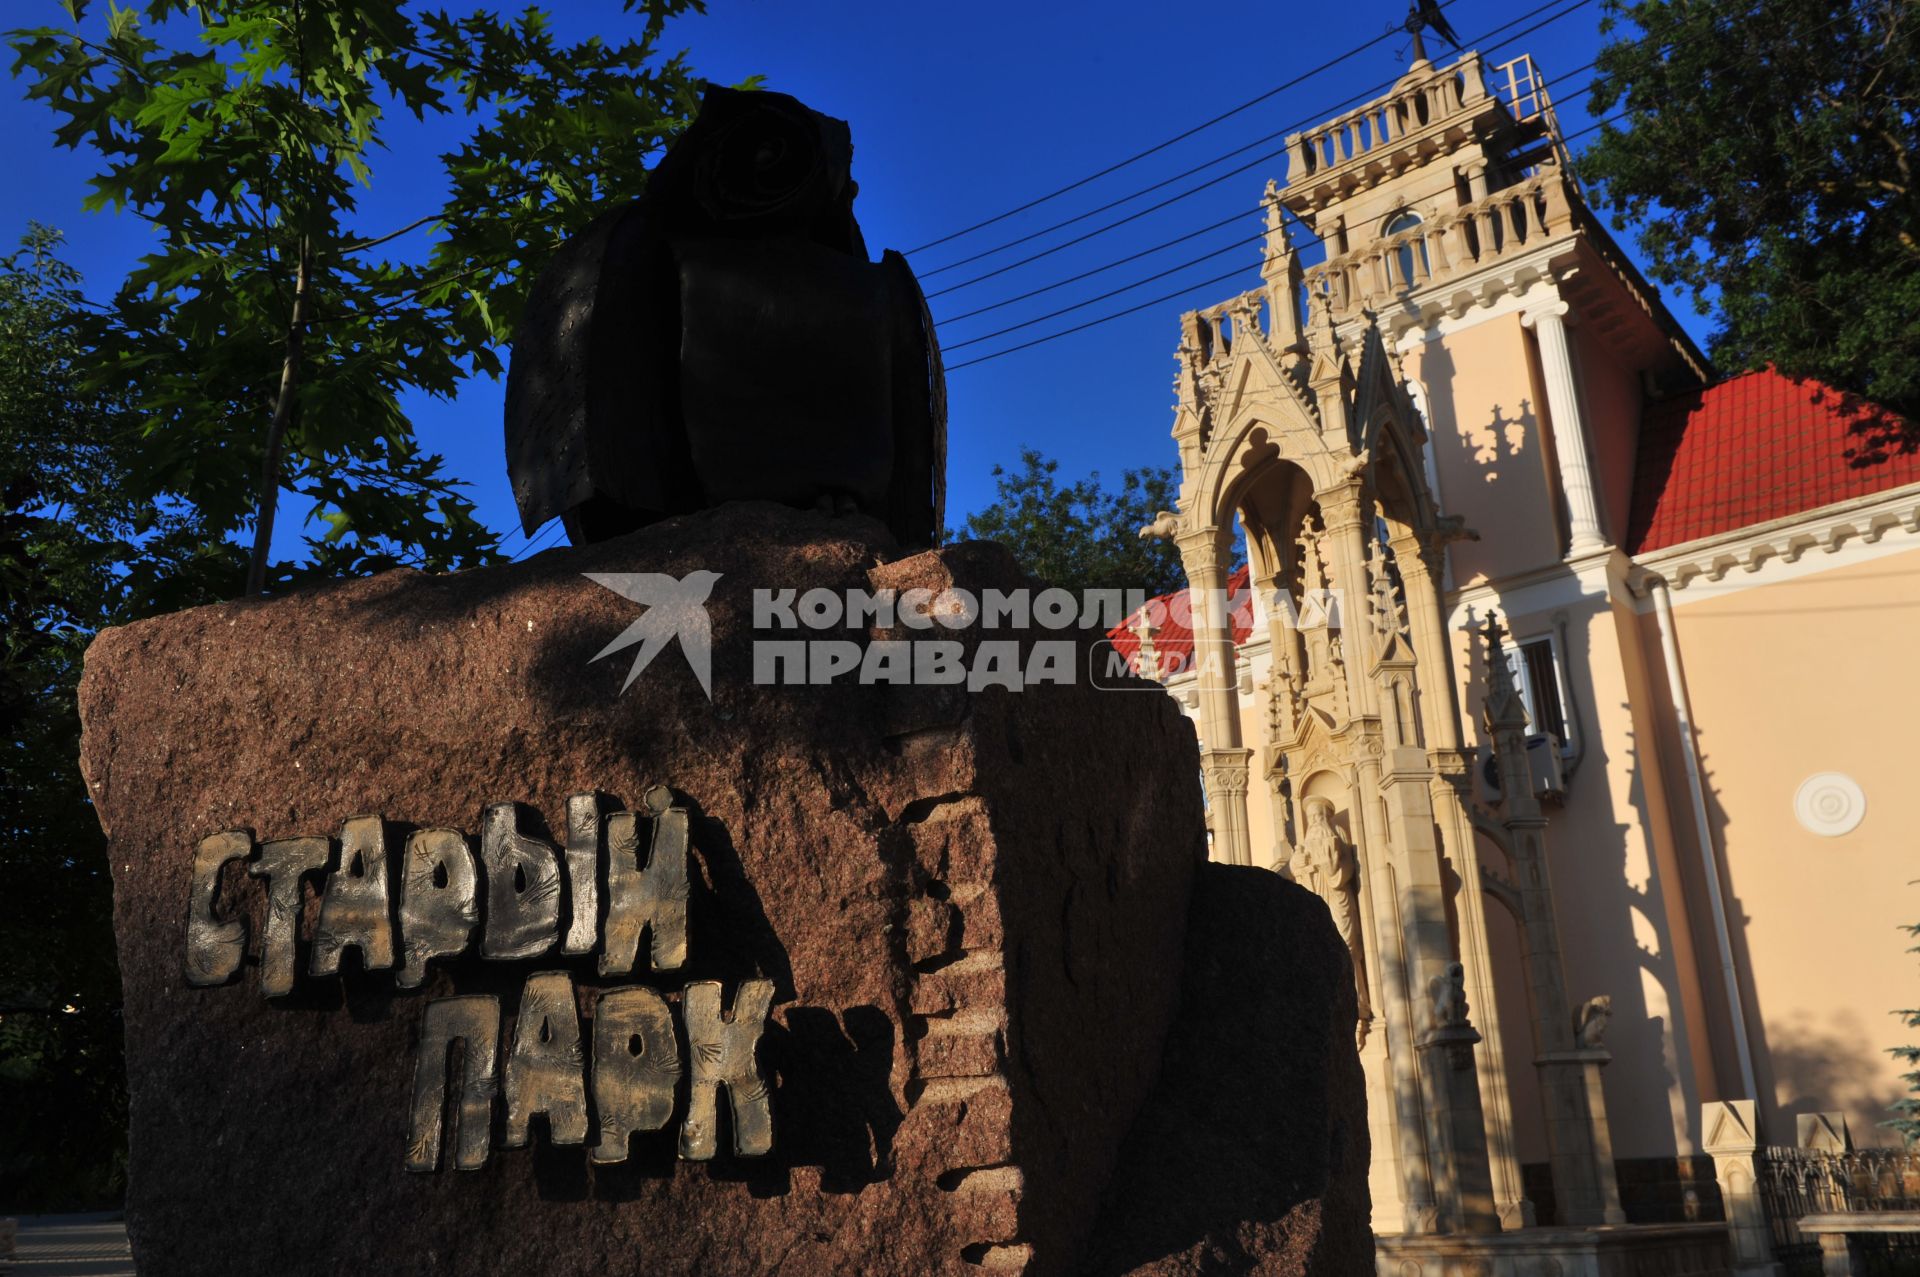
pixel 360 245
pixel 277 427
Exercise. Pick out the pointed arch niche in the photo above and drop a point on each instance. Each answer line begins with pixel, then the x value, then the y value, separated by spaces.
pixel 1307 438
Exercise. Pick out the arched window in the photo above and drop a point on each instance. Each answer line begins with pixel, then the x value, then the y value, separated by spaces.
pixel 1410 252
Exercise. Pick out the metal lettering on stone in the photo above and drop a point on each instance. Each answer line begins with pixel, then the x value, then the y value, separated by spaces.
pixel 523 887
pixel 439 901
pixel 215 946
pixel 636 1068
pixel 723 1052
pixel 652 900
pixel 285 863
pixel 356 908
pixel 583 872
pixel 474 1021
pixel 545 1072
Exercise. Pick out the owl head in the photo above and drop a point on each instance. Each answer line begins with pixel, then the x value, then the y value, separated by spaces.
pixel 758 164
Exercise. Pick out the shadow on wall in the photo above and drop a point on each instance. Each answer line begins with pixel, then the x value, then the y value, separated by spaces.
pixel 1502 436
pixel 1819 1066
pixel 1492 448
pixel 1659 959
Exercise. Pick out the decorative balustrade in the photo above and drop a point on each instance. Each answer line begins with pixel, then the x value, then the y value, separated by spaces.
pixel 1408 109
pixel 1797 1182
pixel 1214 330
pixel 1460 240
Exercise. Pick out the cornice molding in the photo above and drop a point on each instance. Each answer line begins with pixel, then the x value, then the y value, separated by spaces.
pixel 1799 545
pixel 1506 286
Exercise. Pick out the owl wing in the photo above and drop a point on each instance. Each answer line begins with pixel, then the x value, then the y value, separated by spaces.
pixel 917 500
pixel 592 425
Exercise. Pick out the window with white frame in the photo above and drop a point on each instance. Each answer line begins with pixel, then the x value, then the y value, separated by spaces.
pixel 1542 684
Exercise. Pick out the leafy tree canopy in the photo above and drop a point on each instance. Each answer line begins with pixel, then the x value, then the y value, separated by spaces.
pixel 269 336
pixel 1080 536
pixel 1765 158
pixel 263 346
pixel 65 518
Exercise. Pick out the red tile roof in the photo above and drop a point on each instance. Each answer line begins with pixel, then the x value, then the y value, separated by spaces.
pixel 1758 447
pixel 1172 615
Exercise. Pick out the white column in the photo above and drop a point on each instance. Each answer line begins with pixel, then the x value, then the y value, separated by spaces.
pixel 1702 827
pixel 1570 436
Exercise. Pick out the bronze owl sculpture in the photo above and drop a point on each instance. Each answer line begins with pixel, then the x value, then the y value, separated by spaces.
pixel 725 337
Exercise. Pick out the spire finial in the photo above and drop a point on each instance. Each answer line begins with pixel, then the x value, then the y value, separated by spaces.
pixel 1424 16
pixel 1493 633
pixel 1504 707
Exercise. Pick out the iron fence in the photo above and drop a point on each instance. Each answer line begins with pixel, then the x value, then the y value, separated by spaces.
pixel 1796 1182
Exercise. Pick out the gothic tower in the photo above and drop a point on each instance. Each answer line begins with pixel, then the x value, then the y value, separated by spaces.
pixel 1426 252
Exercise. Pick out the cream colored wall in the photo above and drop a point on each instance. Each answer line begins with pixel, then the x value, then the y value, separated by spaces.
pixel 1484 420
pixel 1787 679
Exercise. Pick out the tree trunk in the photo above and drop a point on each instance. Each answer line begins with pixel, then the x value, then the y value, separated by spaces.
pixel 277 428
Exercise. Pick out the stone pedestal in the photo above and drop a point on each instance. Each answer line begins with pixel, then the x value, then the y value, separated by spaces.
pixel 1732 1139
pixel 1592 1197
pixel 966 909
pixel 1463 1188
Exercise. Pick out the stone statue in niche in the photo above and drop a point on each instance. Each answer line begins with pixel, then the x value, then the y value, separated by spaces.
pixel 725 337
pixel 1337 673
pixel 1449 993
pixel 1313 620
pixel 1324 864
pixel 1590 1023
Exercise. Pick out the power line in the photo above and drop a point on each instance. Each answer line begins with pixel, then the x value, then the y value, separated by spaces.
pixel 1074 279
pixel 1181 292
pixel 1093 323
pixel 545 534
pixel 1255 162
pixel 1155 149
pixel 1363 96
pixel 1124 288
pixel 1300 244
pixel 517 533
pixel 1146 252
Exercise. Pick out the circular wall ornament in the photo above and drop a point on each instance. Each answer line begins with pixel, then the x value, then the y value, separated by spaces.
pixel 1829 804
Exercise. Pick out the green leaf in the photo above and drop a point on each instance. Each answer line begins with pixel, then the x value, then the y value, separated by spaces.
pixel 1761 154
pixel 240 129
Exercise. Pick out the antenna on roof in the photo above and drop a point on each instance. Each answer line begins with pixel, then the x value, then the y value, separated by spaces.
pixel 1423 16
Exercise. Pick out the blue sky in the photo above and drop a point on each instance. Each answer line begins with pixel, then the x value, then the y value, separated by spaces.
pixel 958 114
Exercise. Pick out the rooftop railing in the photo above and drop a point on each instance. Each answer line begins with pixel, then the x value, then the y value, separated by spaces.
pixel 1408 109
pixel 1506 222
